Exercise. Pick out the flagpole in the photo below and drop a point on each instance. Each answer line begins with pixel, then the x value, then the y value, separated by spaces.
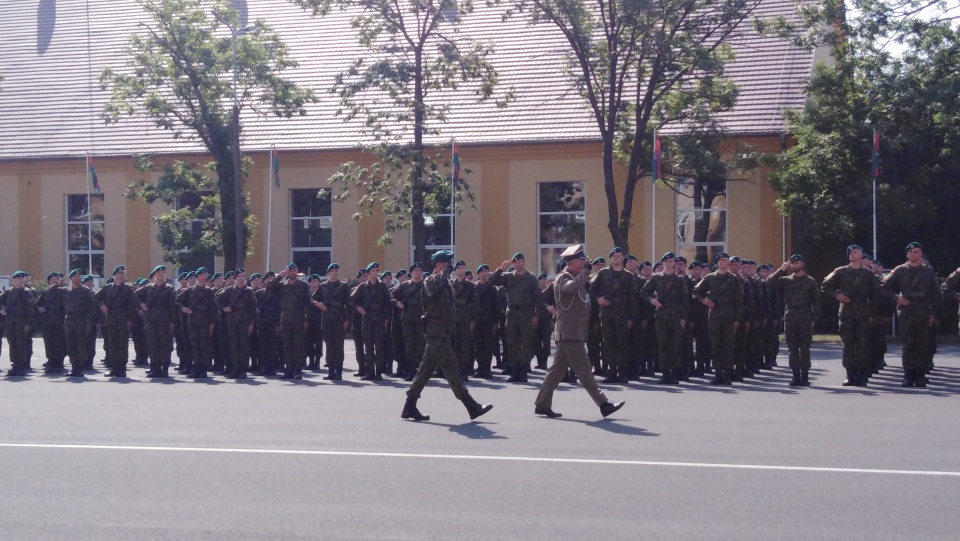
pixel 653 205
pixel 874 174
pixel 453 188
pixel 89 222
pixel 270 207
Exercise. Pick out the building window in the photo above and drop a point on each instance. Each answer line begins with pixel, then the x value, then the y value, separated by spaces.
pixel 562 212
pixel 85 233
pixel 701 220
pixel 439 233
pixel 191 260
pixel 311 230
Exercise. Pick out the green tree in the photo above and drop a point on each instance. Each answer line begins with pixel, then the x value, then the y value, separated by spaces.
pixel 403 89
pixel 638 64
pixel 179 75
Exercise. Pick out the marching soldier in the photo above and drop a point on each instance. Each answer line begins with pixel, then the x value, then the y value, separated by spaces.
pixel 294 302
pixel 668 293
pixel 917 306
pixel 50 306
pixel 611 289
pixel 406 297
pixel 333 300
pixel 118 304
pixel 158 304
pixel 721 292
pixel 801 301
pixel 521 290
pixel 856 290
pixel 18 306
pixel 79 313
pixel 372 302
pixel 437 300
pixel 465 307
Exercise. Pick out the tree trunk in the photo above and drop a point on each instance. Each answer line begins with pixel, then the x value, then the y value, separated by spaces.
pixel 225 177
pixel 416 173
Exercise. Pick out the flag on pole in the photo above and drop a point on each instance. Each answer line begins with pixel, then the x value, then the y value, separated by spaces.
pixel 275 165
pixel 93 174
pixel 875 171
pixel 455 162
pixel 656 156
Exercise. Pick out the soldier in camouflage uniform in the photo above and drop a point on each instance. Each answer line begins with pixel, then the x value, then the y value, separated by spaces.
pixel 118 303
pixel 611 289
pixel 521 289
pixel 294 302
pixel 356 326
pixel 268 326
pixel 240 305
pixel 314 334
pixel 918 303
pixel 406 297
pixel 79 312
pixel 437 300
pixel 668 293
pixel 464 317
pixel 594 329
pixel 50 306
pixel 371 300
pixel 199 304
pixel 333 300
pixel 544 331
pixel 18 306
pixel 488 319
pixel 856 289
pixel 699 320
pixel 158 304
pixel 801 301
pixel 721 292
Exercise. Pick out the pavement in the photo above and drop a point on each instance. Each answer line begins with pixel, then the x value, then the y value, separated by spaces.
pixel 136 459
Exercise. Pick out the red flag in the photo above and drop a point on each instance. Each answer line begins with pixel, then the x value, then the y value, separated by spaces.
pixel 656 157
pixel 875 171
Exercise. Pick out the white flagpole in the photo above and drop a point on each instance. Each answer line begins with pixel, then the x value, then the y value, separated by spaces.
pixel 653 209
pixel 270 206
pixel 874 175
pixel 89 222
pixel 453 188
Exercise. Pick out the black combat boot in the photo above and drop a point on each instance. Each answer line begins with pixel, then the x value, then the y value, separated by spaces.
pixel 681 375
pixel 665 378
pixel 717 377
pixel 735 375
pixel 474 408
pixel 920 379
pixel 907 378
pixel 727 377
pixel 410 410
pixel 608 408
pixel 611 376
pixel 797 380
pixel 805 377
pixel 851 379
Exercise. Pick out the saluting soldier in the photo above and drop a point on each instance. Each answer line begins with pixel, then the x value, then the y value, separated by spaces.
pixel 118 303
pixel 158 303
pixel 917 306
pixel 801 301
pixel 721 292
pixel 611 288
pixel 521 290
pixel 240 305
pixel 573 311
pixel 437 300
pixel 856 290
pixel 294 302
pixel 488 319
pixel 372 302
pixel 18 306
pixel 79 313
pixel 333 300
pixel 407 297
pixel 668 293
pixel 199 304
pixel 50 306
pixel 465 315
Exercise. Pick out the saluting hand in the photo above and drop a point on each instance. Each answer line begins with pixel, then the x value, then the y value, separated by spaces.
pixel 505 265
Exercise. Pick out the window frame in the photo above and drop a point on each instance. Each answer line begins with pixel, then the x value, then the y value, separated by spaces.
pixel 89 251
pixel 551 270
pixel 295 250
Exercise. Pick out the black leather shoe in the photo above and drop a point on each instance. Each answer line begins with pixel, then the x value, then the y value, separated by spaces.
pixel 547 412
pixel 479 410
pixel 608 408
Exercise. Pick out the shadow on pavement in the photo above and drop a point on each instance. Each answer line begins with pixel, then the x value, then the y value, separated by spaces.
pixel 611 425
pixel 473 430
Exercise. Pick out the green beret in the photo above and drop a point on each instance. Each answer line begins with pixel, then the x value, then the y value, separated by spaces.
pixel 721 255
pixel 373 265
pixel 269 274
pixel 517 256
pixel 73 272
pixel 443 256
pixel 630 257
pixel 255 276
pixel 52 275
pixel 796 257
pixel 291 266
pixel 117 269
pixel 86 278
pixel 598 261
pixel 402 272
pixel 140 282
pixel 217 275
pixel 191 274
pixel 240 271
pixel 416 265
pixel 853 247
pixel 19 274
pixel 157 269
pixel 313 277
pixel 913 245
pixel 668 255
pixel 333 266
pixel 482 268
pixel 460 263
pixel 180 277
pixel 201 270
pixel 617 250
pixel 386 274
pixel 542 276
pixel 361 272
pixel 229 274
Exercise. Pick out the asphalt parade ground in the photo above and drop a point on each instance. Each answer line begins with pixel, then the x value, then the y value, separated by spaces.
pixel 139 459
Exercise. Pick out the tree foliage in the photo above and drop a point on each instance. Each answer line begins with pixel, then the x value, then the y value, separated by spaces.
pixel 637 64
pixel 179 75
pixel 403 90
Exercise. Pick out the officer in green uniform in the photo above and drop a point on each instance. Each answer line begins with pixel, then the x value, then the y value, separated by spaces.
pixel 406 297
pixel 669 294
pixel 438 308
pixel 295 300
pixel 240 305
pixel 118 304
pixel 721 292
pixel 158 304
pixel 19 308
pixel 521 289
pixel 801 301
pixel 465 316
pixel 79 312
pixel 199 305
pixel 50 306
pixel 855 288
pixel 611 288
pixel 333 300
pixel 917 306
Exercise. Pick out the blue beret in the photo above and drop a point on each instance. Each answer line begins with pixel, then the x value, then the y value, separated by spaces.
pixel 913 245
pixel 333 266
pixel 483 267
pixel 442 256
pixel 460 263
pixel 516 256
pixel 291 266
pixel 117 269
pixel 74 271
pixel 416 265
pixel 617 250
pixel 853 247
pixel 796 257
pixel 201 270
pixel 373 265
pixel 19 274
pixel 159 268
